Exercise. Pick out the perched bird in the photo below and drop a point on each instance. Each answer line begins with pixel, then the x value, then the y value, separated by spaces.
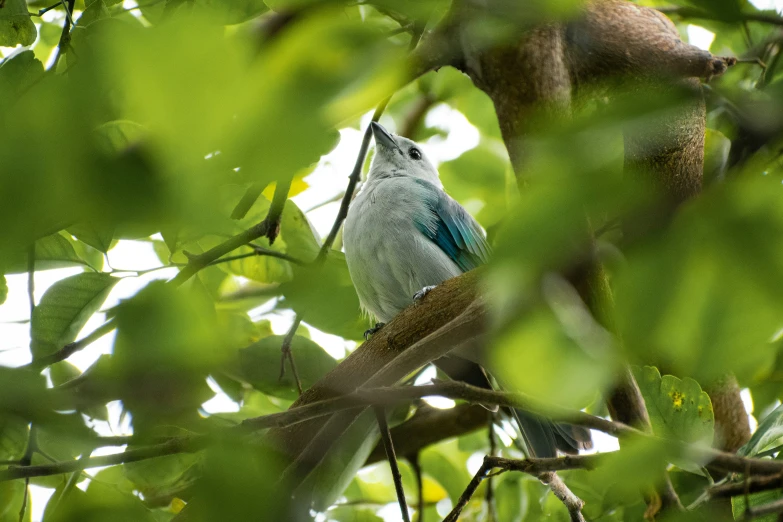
pixel 403 236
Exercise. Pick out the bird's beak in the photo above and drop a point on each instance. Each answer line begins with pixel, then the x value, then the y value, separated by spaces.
pixel 382 136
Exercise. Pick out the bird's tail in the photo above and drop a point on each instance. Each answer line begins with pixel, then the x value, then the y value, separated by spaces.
pixel 542 437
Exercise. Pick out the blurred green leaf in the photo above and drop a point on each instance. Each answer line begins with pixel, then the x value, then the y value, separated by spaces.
pixel 678 408
pixel 164 476
pixel 65 308
pixel 716 155
pixel 260 365
pixel 325 296
pixel 446 464
pixel 510 497
pixel 11 495
pixel 701 300
pixel 13 437
pixel 239 480
pixel 16 27
pixel 352 514
pixel 345 458
pixel 101 501
pixel 62 372
pixel 768 434
pixel 477 178
pixel 3 289
pixel 168 340
pixel 574 357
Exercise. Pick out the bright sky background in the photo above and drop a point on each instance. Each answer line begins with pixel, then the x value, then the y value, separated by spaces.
pixel 327 181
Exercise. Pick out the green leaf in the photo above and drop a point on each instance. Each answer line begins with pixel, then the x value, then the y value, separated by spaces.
pixel 510 498
pixel 678 408
pixel 17 74
pixel 97 235
pixel 300 237
pixel 352 514
pixel 739 506
pixel 13 437
pixel 11 495
pixel 767 435
pixel 163 476
pixel 65 308
pixel 16 27
pixel 446 464
pixel 54 251
pixel 260 365
pixel 325 296
pixel 62 372
pixel 3 289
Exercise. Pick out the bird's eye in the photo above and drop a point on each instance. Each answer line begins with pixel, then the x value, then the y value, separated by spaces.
pixel 414 153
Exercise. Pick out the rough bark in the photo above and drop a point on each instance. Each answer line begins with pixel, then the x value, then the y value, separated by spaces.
pixel 442 305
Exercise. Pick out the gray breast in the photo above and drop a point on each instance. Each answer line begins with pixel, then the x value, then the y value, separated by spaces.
pixel 388 257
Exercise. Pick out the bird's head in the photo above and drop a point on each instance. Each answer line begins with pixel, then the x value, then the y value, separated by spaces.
pixel 398 156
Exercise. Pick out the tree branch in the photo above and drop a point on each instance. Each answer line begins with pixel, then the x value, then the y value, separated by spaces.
pixel 353 179
pixel 178 445
pixel 750 485
pixel 269 227
pixel 71 348
pixel 693 12
pixel 572 503
pixel 380 414
pixel 286 353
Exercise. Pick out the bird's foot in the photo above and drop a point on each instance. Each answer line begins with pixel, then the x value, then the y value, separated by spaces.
pixel 421 294
pixel 372 331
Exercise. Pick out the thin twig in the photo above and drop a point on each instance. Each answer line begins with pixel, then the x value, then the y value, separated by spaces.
pixel 173 446
pixel 417 472
pixel 65 36
pixel 473 485
pixel 751 485
pixel 288 354
pixel 490 489
pixel 353 179
pixel 71 348
pixel 269 227
pixel 45 10
pixel 31 283
pixel 380 414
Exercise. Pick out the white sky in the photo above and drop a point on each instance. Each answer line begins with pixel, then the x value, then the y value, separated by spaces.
pixel 327 181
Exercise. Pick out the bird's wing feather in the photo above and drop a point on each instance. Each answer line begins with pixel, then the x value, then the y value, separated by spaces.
pixel 453 229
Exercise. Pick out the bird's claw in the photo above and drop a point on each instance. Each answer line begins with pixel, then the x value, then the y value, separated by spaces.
pixel 375 329
pixel 421 294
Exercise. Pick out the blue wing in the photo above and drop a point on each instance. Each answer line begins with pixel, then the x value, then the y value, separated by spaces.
pixel 453 229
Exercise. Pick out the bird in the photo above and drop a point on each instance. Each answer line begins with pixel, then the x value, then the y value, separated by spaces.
pixel 403 236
